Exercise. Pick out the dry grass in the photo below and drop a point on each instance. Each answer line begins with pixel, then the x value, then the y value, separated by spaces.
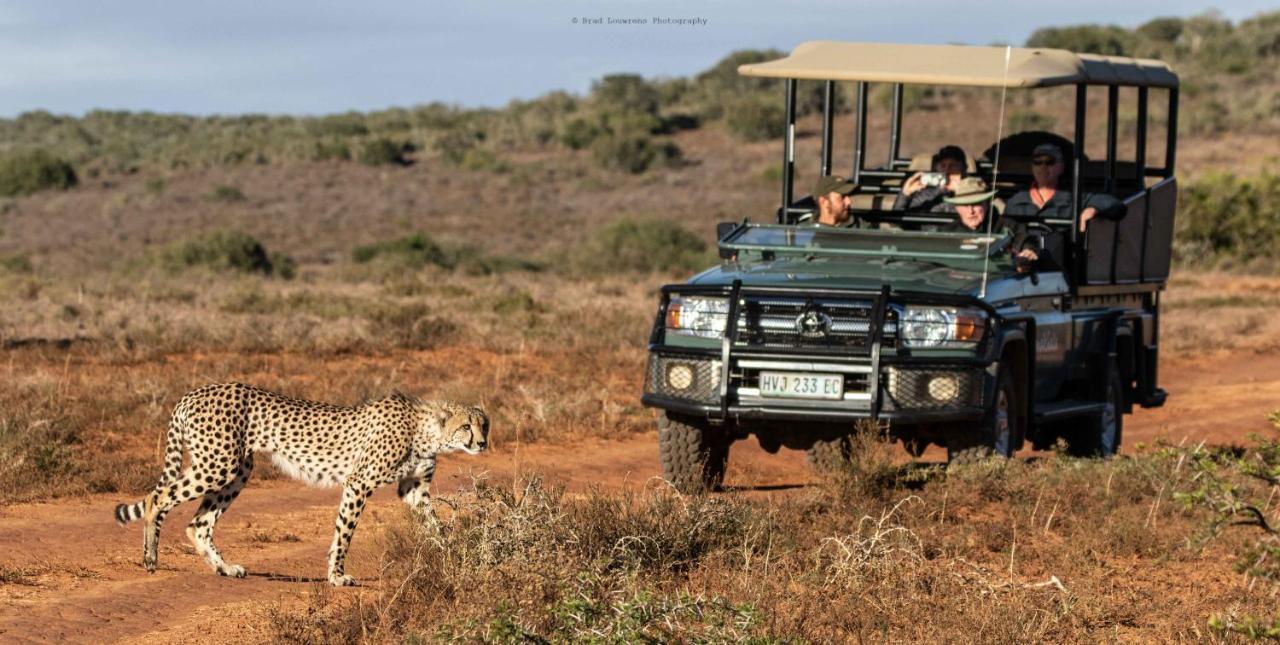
pixel 1054 550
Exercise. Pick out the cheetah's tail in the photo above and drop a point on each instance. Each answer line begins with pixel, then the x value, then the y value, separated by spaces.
pixel 126 513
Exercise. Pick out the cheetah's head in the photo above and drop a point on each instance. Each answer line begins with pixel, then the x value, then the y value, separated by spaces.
pixel 467 429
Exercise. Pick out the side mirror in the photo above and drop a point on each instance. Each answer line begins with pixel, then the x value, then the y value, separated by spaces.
pixel 722 230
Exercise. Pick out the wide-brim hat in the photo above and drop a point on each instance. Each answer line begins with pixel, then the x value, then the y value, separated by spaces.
pixel 828 184
pixel 970 190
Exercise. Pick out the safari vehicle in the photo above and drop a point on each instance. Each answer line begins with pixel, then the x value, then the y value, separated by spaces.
pixel 804 333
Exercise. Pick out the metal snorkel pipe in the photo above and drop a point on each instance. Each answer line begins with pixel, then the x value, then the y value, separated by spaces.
pixel 995 170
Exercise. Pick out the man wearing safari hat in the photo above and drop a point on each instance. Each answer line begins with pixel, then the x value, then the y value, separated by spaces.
pixel 972 201
pixel 832 194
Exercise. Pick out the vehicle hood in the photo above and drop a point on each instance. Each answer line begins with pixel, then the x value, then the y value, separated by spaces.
pixel 902 274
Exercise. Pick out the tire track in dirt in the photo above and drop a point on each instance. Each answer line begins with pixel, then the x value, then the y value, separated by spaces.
pixel 79 577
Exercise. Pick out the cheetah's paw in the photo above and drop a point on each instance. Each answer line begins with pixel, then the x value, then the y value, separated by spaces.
pixel 231 571
pixel 342 581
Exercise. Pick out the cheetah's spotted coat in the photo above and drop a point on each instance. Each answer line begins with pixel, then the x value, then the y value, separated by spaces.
pixel 395 439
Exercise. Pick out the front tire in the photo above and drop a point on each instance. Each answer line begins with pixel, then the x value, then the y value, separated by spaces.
pixel 693 453
pixel 995 434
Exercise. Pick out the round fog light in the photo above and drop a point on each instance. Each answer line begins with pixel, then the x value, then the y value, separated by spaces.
pixel 680 376
pixel 944 387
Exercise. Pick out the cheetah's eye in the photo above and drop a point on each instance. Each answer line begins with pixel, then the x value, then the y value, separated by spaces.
pixel 466 427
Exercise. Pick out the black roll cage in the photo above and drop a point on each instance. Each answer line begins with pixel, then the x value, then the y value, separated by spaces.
pixel 898 164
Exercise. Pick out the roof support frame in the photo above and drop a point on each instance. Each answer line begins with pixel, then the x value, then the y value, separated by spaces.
pixel 1113 100
pixel 788 152
pixel 895 126
pixel 1140 152
pixel 1171 134
pixel 860 133
pixel 1082 100
pixel 828 100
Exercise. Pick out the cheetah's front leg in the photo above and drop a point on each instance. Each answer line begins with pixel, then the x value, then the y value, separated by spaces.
pixel 414 492
pixel 354 494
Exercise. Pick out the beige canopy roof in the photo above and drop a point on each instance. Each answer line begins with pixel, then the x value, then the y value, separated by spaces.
pixel 959 65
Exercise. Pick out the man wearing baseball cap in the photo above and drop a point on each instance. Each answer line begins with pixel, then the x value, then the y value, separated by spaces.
pixel 832 194
pixel 1045 199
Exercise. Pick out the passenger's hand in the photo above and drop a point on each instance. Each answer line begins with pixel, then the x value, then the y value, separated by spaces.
pixel 1025 259
pixel 912 184
pixel 1086 215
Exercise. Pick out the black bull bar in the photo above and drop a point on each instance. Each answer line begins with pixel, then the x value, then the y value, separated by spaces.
pixel 871 352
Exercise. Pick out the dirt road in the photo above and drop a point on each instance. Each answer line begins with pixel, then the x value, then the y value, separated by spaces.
pixel 68 573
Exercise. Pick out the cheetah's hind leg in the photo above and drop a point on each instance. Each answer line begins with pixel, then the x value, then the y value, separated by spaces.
pixel 215 503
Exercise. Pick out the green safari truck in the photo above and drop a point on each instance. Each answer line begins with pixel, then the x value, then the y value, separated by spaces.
pixel 804 332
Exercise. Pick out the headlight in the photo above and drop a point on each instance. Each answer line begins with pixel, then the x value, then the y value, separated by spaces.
pixel 941 327
pixel 694 316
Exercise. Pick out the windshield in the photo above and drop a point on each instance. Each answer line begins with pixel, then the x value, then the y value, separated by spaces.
pixel 864 242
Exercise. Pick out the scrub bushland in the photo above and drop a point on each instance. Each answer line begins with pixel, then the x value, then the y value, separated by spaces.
pixel 1002 552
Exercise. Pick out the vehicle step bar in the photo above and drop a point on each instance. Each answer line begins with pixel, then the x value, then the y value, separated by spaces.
pixel 1067 409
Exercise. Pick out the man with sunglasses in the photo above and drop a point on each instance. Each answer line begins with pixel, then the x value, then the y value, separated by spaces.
pixel 1045 199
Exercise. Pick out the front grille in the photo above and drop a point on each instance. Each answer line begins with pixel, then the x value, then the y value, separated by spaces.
pixel 780 323
pixel 933 389
pixel 678 377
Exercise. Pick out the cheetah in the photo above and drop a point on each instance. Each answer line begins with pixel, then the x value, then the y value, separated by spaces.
pixel 395 439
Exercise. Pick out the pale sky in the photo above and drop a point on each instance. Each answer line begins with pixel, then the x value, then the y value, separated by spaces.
pixel 319 56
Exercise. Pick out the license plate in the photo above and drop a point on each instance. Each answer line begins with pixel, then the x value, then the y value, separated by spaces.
pixel 802 385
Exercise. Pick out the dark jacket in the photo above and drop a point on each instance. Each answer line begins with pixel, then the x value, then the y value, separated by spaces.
pixel 1022 207
pixel 1021 238
pixel 927 199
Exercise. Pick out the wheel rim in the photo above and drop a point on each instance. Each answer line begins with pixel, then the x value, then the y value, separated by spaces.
pixel 1002 423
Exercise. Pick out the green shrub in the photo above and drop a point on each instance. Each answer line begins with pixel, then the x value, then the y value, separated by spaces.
pixel 226 194
pixel 30 171
pixel 1108 40
pixel 453 145
pixel 642 245
pixel 416 250
pixel 633 152
pixel 380 151
pixel 225 251
pixel 351 124
pixel 756 119
pixel 330 150
pixel 482 159
pixel 624 93
pixel 15 263
pixel 579 133
pixel 1225 217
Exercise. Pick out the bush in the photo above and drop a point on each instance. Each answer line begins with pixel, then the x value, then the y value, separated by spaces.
pixel 579 133
pixel 1223 217
pixel 227 194
pixel 15 263
pixel 1108 40
pixel 416 251
pixel 225 251
pixel 643 245
pixel 482 159
pixel 624 93
pixel 331 149
pixel 31 171
pixel 633 152
pixel 380 151
pixel 756 119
